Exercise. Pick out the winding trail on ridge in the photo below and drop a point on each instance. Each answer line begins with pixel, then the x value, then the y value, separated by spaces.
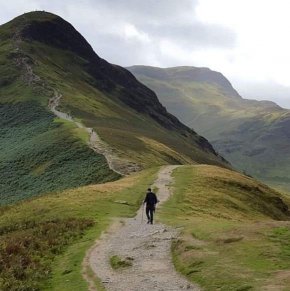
pixel 119 165
pixel 147 246
pixel 115 163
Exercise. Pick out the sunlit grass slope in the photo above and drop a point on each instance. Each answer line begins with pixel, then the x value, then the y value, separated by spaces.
pixel 235 231
pixel 43 241
pixel 252 135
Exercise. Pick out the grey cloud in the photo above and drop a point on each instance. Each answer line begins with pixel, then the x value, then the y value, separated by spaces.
pixel 175 20
pixel 102 21
pixel 195 35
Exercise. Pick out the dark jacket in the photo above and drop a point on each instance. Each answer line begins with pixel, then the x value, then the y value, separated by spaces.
pixel 150 199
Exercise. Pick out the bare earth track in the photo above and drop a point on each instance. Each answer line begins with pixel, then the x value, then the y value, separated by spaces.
pixel 120 166
pixel 147 247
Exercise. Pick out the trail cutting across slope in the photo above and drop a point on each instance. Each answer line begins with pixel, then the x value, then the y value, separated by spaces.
pixel 119 165
pixel 146 246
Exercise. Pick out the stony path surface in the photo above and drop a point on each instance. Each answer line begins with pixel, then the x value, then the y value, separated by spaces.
pixel 147 246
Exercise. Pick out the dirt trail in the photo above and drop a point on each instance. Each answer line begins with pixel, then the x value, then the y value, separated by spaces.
pixel 147 246
pixel 117 164
pixel 25 63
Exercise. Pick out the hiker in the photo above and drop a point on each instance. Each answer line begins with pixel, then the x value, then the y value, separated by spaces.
pixel 151 201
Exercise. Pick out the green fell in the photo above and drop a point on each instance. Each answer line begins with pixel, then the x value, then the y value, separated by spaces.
pixel 234 230
pixel 41 54
pixel 40 156
pixel 252 135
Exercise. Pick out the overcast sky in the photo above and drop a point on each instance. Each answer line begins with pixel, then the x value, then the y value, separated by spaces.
pixel 247 40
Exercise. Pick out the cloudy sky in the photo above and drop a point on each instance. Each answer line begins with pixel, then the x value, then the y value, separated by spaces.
pixel 246 40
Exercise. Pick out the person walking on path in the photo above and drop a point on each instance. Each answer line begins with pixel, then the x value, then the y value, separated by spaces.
pixel 151 201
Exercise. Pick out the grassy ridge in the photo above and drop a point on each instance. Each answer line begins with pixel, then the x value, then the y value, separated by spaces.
pixel 235 230
pixel 41 53
pixel 39 155
pixel 122 127
pixel 51 232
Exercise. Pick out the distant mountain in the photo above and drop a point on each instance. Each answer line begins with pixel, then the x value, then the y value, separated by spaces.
pixel 253 135
pixel 47 69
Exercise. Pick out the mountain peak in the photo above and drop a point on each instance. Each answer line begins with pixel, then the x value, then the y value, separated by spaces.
pixel 33 16
pixel 52 30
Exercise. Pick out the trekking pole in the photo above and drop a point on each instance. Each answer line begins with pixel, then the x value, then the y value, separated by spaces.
pixel 142 213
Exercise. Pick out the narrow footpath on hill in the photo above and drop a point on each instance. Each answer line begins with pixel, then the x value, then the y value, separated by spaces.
pixel 119 165
pixel 115 163
pixel 146 246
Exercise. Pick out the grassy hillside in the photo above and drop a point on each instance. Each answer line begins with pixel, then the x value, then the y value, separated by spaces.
pixel 126 114
pixel 43 241
pixel 253 135
pixel 234 230
pixel 41 54
pixel 40 154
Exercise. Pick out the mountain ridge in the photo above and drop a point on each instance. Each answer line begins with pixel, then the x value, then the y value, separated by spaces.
pixel 200 74
pixel 43 58
pixel 253 135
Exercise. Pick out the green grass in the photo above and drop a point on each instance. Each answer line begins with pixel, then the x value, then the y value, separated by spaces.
pixel 235 230
pixel 39 155
pixel 118 263
pixel 26 252
pixel 80 133
pixel 56 230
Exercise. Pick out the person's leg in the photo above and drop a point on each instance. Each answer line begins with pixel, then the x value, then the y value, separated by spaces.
pixel 151 215
pixel 147 213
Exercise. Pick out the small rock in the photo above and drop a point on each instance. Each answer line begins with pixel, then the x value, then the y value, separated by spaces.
pixel 121 202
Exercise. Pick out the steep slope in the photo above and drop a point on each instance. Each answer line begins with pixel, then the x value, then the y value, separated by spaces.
pixel 39 154
pixel 253 135
pixel 46 65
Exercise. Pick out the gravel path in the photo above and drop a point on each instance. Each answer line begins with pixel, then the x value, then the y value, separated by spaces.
pixel 115 163
pixel 146 246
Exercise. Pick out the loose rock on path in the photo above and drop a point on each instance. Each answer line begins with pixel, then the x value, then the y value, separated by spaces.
pixel 146 246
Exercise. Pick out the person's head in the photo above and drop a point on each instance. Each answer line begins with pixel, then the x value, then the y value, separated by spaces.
pixel 149 190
